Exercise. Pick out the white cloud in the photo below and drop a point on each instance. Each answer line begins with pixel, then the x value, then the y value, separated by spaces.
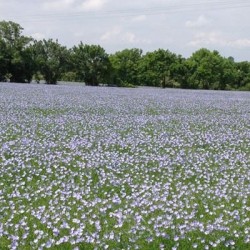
pixel 89 5
pixel 139 18
pixel 240 43
pixel 203 39
pixel 38 36
pixel 202 21
pixel 58 5
pixel 119 35
pixel 129 37
pixel 78 34
pixel 111 34
pixel 207 38
pixel 74 5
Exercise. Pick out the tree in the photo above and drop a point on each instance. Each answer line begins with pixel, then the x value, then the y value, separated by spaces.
pixel 155 68
pixel 230 74
pixel 51 59
pixel 15 49
pixel 178 72
pixel 3 61
pixel 91 64
pixel 125 67
pixel 206 70
pixel 243 71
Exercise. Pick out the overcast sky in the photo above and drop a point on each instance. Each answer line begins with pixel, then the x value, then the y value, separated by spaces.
pixel 182 26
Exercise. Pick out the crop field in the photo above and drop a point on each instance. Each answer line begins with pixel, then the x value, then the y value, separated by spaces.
pixel 116 168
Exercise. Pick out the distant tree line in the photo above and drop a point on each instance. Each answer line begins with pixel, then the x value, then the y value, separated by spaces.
pixel 23 59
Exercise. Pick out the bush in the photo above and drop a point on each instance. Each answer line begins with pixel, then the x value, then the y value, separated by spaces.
pixel 69 77
pixel 125 84
pixel 245 88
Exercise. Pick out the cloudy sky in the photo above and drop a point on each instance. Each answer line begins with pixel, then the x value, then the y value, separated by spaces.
pixel 182 26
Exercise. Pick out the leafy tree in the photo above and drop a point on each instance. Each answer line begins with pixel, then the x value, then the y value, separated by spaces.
pixel 69 76
pixel 125 67
pixel 3 61
pixel 155 68
pixel 230 74
pixel 16 56
pixel 91 64
pixel 178 72
pixel 243 73
pixel 206 70
pixel 51 59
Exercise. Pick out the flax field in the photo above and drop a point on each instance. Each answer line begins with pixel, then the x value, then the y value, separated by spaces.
pixel 118 168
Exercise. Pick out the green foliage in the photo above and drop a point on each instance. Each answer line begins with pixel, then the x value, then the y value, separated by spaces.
pixel 3 60
pixel 155 68
pixel 245 87
pixel 127 85
pixel 69 76
pixel 51 59
pixel 179 72
pixel 243 75
pixel 90 63
pixel 15 53
pixel 209 70
pixel 206 69
pixel 125 67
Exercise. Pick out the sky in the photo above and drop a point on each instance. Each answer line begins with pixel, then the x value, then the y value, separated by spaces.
pixel 181 26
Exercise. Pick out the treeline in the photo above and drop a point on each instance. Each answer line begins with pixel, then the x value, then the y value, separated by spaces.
pixel 23 59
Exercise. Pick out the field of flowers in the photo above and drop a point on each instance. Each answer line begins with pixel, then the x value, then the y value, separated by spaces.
pixel 112 168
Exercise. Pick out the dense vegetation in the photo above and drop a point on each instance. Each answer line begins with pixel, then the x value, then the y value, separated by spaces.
pixel 24 58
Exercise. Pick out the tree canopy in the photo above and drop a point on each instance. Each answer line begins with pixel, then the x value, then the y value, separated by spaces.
pixel 125 66
pixel 50 59
pixel 90 63
pixel 15 53
pixel 23 58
